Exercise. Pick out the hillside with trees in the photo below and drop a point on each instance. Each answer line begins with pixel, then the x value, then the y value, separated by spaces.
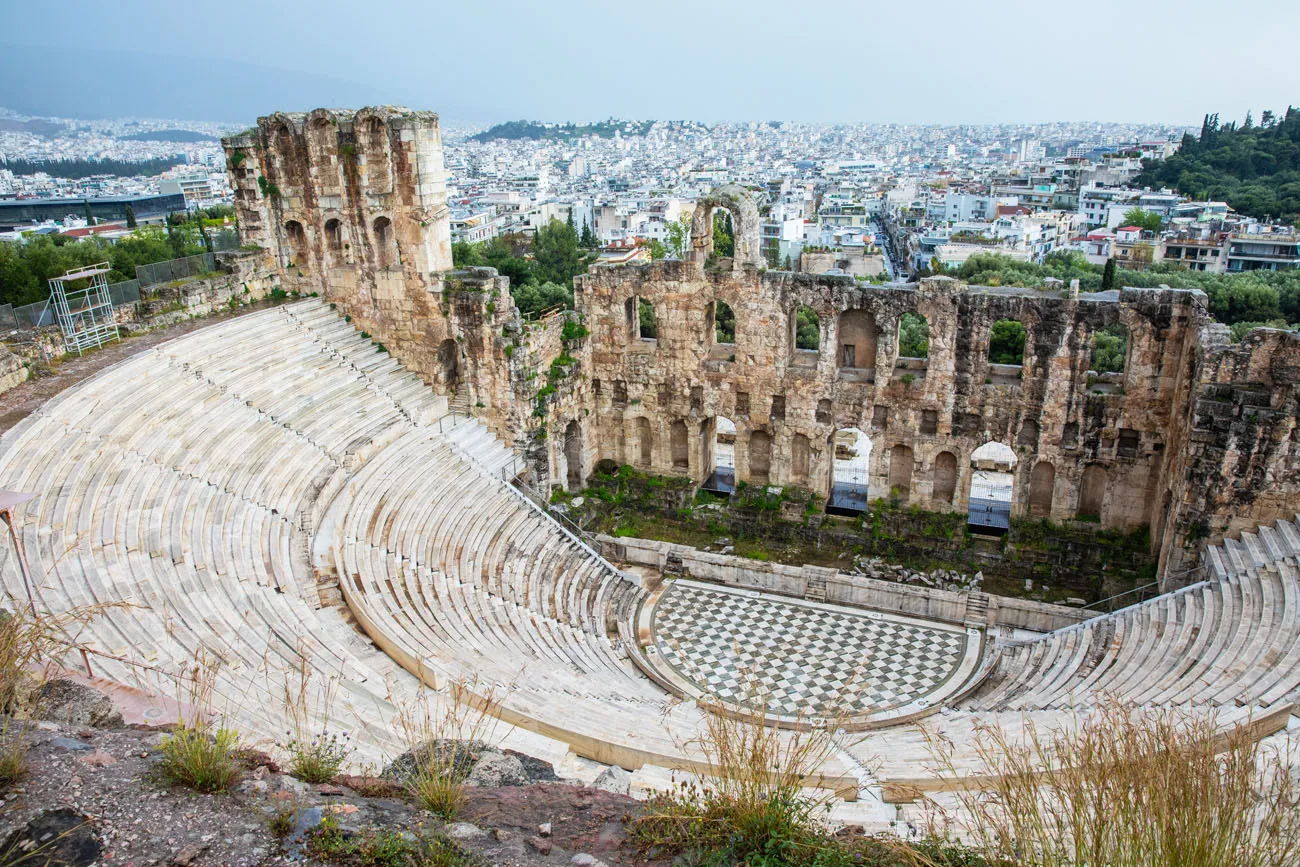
pixel 534 131
pixel 75 169
pixel 1254 167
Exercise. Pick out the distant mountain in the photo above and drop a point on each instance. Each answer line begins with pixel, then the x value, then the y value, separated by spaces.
pixel 176 135
pixel 534 131
pixel 80 82
pixel 35 126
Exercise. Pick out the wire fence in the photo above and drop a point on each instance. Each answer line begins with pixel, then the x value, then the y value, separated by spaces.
pixel 175 269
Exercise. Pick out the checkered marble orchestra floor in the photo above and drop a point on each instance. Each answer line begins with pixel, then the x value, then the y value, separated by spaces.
pixel 800 658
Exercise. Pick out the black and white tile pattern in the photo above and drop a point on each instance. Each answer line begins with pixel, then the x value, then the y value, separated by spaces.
pixel 800 659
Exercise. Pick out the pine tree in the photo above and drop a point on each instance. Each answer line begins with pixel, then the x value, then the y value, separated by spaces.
pixel 130 216
pixel 572 225
pixel 90 218
pixel 1108 275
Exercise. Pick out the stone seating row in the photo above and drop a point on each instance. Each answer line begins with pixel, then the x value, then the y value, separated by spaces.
pixel 1231 640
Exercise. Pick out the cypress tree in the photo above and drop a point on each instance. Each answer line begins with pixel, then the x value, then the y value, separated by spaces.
pixel 1108 275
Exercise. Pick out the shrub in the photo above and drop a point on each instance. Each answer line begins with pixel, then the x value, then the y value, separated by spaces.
pixel 380 847
pixel 201 757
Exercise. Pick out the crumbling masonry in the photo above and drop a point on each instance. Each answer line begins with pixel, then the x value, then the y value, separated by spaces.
pixel 1196 438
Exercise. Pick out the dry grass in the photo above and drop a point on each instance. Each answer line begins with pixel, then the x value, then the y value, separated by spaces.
pixel 201 753
pixel 316 753
pixel 752 807
pixel 440 741
pixel 1128 789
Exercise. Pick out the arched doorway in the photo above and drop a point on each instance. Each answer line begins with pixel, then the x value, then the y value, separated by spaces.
pixel 850 471
pixel 800 459
pixel 900 472
pixel 720 453
pixel 992 481
pixel 449 358
pixel 1092 493
pixel 677 438
pixel 573 456
pixel 945 477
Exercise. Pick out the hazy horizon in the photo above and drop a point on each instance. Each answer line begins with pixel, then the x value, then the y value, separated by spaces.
pixel 949 64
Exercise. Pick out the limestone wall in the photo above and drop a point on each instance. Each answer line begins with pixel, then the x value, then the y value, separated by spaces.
pixel 924 417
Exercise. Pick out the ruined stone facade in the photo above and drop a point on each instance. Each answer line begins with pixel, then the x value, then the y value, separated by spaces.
pixel 1195 438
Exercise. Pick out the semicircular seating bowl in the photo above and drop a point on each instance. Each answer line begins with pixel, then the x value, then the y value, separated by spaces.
pixel 199 490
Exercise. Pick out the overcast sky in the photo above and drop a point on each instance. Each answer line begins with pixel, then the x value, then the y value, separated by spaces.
pixel 935 61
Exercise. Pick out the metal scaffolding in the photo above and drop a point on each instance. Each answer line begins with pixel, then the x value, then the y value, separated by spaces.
pixel 84 314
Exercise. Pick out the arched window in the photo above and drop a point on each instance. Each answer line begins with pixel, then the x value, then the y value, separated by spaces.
pixel 720 327
pixel 850 471
pixel 680 449
pixel 857 340
pixel 992 482
pixel 645 442
pixel 806 335
pixel 945 477
pixel 724 235
pixel 1109 349
pixel 1007 343
pixel 1042 481
pixel 647 320
pixel 286 157
pixel 900 472
pixel 386 254
pixel 323 139
pixel 379 179
pixel 913 336
pixel 720 454
pixel 1092 493
pixel 334 243
pixel 573 455
pixel 825 412
pixel 760 457
pixel 800 460
pixel 297 242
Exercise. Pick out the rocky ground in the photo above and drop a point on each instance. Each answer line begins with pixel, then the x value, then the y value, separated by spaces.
pixel 94 796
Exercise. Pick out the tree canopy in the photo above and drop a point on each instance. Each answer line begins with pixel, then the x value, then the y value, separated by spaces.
pixel 1255 168
pixel 1007 342
pixel 1148 220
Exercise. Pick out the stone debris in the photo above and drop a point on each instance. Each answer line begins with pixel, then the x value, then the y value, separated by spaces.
pixel 941 579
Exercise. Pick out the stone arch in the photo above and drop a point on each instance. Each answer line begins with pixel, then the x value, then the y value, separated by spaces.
pixel 1092 493
pixel 745 225
pixel 992 488
pixel 857 340
pixel 299 250
pixel 719 444
pixel 677 436
pixel 805 336
pixel 825 413
pixel 573 456
pixel 760 458
pixel 900 472
pixel 645 443
pixel 944 486
pixel 449 360
pixel 1042 482
pixel 387 254
pixel 323 149
pixel 800 460
pixel 372 134
pixel 335 254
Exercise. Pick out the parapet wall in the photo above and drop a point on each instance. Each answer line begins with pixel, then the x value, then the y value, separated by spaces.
pixel 842 588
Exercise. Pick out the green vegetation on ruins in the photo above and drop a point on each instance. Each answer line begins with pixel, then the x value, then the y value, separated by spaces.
pixel 1254 167
pixel 541 269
